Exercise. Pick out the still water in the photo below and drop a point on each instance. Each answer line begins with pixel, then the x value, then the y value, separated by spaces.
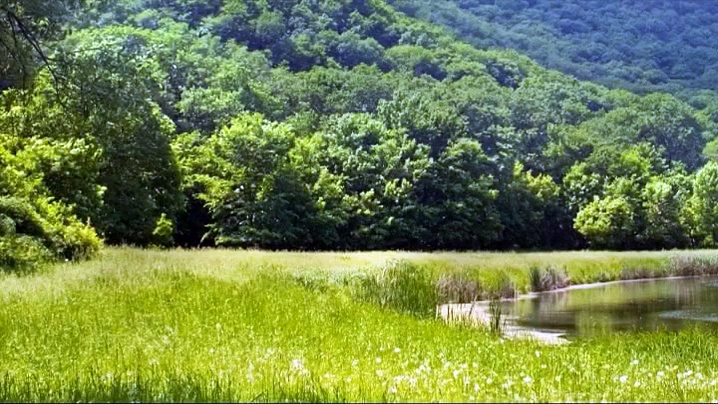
pixel 624 306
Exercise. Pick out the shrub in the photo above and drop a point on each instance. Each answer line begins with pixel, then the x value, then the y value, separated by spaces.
pixel 163 232
pixel 33 232
pixel 22 253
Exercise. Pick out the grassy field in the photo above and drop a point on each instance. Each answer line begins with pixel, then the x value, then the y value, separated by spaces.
pixel 222 325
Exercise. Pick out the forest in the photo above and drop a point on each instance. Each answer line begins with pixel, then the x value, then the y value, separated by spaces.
pixel 334 125
pixel 643 46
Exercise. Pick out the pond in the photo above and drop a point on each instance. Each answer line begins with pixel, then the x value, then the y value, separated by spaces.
pixel 632 306
pixel 645 305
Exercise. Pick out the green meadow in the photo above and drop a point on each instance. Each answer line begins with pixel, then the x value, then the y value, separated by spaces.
pixel 221 325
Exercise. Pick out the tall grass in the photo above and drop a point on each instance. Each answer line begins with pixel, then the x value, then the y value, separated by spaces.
pixel 415 283
pixel 495 315
pixel 547 279
pixel 400 285
pixel 234 326
pixel 458 288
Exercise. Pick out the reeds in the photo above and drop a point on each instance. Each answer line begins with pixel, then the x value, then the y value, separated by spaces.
pixel 550 278
pixel 402 286
pixel 495 315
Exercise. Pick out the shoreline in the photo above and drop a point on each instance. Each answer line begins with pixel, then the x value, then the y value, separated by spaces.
pixel 599 284
pixel 478 312
pixel 592 285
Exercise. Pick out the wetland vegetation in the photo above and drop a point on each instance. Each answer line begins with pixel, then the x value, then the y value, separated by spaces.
pixel 222 325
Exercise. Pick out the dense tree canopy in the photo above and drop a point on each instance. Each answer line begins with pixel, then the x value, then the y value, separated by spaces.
pixel 333 124
pixel 642 46
pixel 639 45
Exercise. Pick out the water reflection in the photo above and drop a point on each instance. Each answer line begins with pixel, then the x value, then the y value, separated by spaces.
pixel 629 306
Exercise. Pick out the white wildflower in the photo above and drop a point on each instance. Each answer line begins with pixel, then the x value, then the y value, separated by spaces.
pixel 623 378
pixel 297 364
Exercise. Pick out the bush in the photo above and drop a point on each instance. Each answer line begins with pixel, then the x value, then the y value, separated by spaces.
pixel 78 242
pixel 22 253
pixel 163 232
pixel 33 232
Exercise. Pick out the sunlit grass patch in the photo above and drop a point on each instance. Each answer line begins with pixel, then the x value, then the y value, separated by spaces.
pixel 163 326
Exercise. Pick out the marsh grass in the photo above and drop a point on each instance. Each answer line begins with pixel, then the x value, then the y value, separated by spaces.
pixel 413 283
pixel 693 266
pixel 550 278
pixel 457 288
pixel 401 285
pixel 495 316
pixel 241 326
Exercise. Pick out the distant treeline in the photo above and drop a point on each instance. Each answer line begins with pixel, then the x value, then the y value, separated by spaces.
pixel 326 125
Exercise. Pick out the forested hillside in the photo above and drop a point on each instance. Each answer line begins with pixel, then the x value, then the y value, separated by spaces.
pixel 332 124
pixel 641 46
pixel 652 45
